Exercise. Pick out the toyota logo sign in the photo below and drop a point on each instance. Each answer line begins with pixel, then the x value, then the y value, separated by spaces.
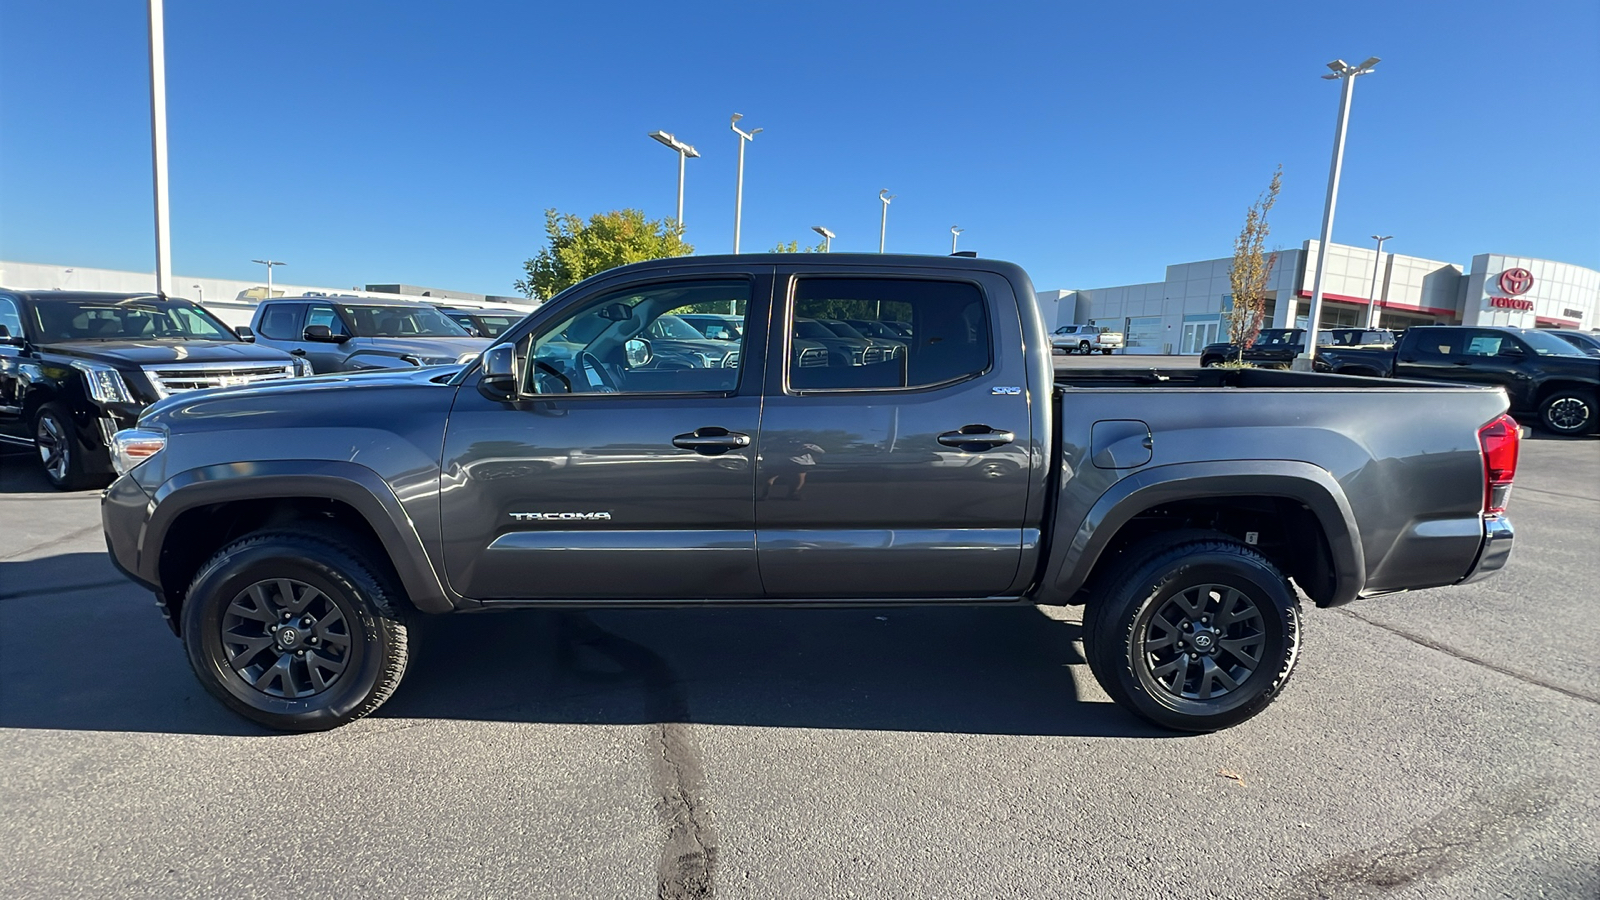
pixel 1516 281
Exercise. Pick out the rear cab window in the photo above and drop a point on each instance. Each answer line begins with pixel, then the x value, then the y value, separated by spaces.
pixel 942 327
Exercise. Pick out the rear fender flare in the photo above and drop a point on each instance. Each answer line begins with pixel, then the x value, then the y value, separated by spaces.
pixel 355 485
pixel 1303 482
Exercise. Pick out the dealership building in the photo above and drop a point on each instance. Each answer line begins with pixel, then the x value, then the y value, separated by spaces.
pixel 1187 310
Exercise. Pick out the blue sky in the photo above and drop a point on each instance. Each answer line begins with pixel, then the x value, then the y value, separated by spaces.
pixel 1092 143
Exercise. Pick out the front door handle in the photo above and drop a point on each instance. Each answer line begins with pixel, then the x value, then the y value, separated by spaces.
pixel 297 352
pixel 976 438
pixel 711 440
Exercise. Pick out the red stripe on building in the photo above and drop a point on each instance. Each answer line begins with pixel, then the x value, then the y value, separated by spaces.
pixel 1404 307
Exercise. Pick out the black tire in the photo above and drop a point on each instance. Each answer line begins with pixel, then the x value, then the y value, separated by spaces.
pixel 1129 621
pixel 1106 351
pixel 240 593
pixel 1085 348
pixel 1568 413
pixel 64 458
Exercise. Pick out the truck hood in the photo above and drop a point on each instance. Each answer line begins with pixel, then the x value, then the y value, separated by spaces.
pixel 150 353
pixel 329 392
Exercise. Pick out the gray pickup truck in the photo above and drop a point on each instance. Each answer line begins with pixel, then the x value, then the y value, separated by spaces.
pixel 292 533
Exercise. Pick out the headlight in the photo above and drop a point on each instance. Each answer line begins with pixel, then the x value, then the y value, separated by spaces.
pixel 467 357
pixel 302 367
pixel 132 446
pixel 105 383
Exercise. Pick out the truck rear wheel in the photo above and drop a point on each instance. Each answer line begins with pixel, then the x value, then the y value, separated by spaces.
pixel 296 631
pixel 1196 635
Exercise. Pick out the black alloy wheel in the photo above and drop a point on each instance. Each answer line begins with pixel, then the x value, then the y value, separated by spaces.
pixel 298 631
pixel 1085 348
pixel 60 452
pixel 1194 632
pixel 1568 413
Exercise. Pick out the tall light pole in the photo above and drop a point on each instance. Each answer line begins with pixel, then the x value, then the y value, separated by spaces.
pixel 684 152
pixel 158 139
pixel 883 224
pixel 201 293
pixel 1377 263
pixel 738 197
pixel 827 238
pixel 954 231
pixel 1348 73
pixel 269 263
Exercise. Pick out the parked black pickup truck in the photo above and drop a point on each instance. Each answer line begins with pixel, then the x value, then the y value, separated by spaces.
pixel 291 532
pixel 77 366
pixel 1545 377
pixel 1277 347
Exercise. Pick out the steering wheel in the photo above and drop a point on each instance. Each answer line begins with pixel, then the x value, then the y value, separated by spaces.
pixel 596 374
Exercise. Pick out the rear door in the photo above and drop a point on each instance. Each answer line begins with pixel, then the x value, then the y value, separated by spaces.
pixel 12 361
pixel 619 474
pixel 903 478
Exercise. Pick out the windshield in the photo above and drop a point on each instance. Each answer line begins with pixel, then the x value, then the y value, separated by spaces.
pixel 716 329
pixel 98 320
pixel 494 326
pixel 843 330
pixel 1278 337
pixel 401 321
pixel 673 328
pixel 874 329
pixel 1549 345
pixel 811 328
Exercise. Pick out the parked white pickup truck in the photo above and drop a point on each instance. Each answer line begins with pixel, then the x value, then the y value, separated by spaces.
pixel 1085 339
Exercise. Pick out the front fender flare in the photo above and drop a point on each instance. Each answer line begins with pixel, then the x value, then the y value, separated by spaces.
pixel 1308 484
pixel 350 483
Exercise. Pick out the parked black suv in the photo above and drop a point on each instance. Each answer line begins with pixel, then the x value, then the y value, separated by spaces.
pixel 351 334
pixel 75 367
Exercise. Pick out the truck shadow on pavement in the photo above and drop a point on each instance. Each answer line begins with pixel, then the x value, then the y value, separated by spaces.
pixel 81 649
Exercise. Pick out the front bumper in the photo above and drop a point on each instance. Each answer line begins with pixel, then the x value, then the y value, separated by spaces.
pixel 1498 536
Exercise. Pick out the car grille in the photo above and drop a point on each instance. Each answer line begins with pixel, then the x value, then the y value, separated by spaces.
pixel 731 361
pixel 875 355
pixel 812 357
pixel 180 377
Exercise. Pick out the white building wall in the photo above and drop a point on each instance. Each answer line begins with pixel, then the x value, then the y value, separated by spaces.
pixel 1563 295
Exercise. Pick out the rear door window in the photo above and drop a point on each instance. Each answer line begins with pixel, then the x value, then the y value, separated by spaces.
pixel 945 325
pixel 281 321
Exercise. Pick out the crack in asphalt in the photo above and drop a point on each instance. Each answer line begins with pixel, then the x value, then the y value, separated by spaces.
pixel 1483 825
pixel 686 867
pixel 59 540
pixel 1475 660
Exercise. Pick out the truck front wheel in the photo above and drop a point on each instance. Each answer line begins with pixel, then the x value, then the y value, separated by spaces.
pixel 296 631
pixel 1196 635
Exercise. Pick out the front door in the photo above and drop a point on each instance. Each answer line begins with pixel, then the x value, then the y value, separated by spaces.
pixel 903 476
pixel 622 471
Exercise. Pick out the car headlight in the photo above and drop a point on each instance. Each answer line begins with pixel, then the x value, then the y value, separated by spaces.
pixel 467 357
pixel 105 383
pixel 302 367
pixel 132 446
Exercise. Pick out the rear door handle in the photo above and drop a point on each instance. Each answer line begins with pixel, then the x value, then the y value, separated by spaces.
pixel 711 440
pixel 976 438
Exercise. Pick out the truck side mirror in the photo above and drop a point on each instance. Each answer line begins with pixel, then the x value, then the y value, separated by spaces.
pixel 497 372
pixel 245 334
pixel 322 334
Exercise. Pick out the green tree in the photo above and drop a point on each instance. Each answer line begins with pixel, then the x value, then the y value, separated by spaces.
pixel 1251 268
pixel 794 247
pixel 579 249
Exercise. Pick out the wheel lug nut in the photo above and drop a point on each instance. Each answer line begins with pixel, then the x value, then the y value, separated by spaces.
pixel 299 653
pixel 287 617
pixel 311 640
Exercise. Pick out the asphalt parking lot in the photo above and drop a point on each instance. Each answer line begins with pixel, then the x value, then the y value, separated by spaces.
pixel 1438 744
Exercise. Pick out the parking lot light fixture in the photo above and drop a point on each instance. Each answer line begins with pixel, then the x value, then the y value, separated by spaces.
pixel 199 292
pixel 684 151
pixel 954 233
pixel 269 263
pixel 827 238
pixel 158 142
pixel 1377 263
pixel 1340 70
pixel 883 223
pixel 745 137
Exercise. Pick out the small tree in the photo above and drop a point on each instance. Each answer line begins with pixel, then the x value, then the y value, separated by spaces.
pixel 579 249
pixel 794 247
pixel 1251 269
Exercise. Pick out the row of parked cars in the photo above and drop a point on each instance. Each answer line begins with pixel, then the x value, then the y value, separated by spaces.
pixel 76 367
pixel 1552 377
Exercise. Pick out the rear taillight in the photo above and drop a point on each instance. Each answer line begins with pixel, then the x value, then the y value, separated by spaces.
pixel 1499 440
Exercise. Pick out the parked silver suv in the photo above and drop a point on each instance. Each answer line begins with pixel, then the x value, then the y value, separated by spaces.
pixel 346 334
